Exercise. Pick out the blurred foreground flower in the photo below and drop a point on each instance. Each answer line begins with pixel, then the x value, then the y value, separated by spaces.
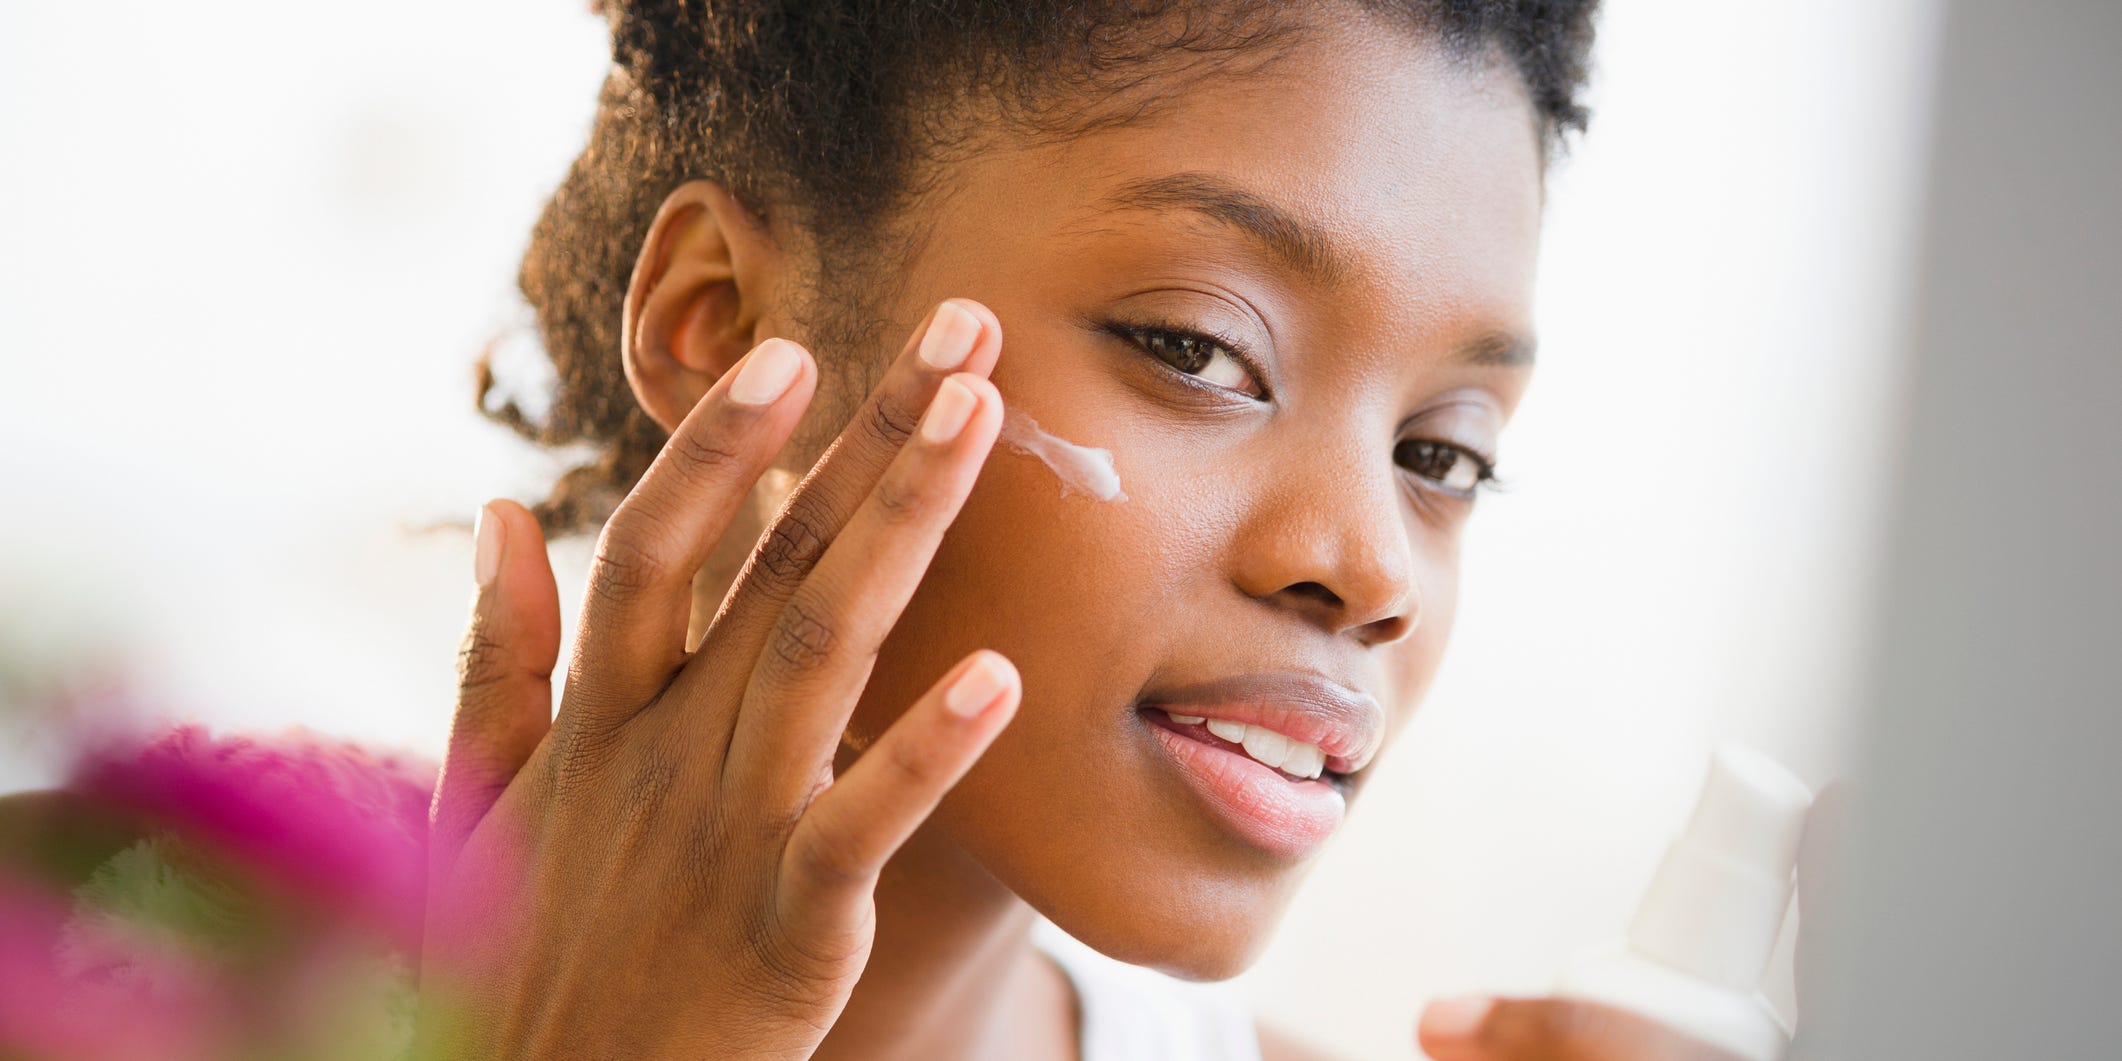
pixel 187 896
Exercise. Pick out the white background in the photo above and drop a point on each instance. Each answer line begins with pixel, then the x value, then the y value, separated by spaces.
pixel 248 252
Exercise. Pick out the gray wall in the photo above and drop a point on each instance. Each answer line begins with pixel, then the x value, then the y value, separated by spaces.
pixel 1984 914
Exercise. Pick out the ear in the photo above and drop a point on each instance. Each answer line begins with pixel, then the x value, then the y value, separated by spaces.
pixel 708 275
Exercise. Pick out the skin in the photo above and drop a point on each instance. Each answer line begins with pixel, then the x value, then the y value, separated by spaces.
pixel 1277 523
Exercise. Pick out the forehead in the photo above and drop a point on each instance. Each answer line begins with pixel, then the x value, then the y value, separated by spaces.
pixel 1415 175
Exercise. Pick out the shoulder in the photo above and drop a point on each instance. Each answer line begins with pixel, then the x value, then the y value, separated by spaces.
pixel 1278 1045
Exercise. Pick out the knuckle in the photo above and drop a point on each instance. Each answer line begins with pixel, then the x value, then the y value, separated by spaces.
pixel 901 502
pixel 914 764
pixel 889 423
pixel 793 544
pixel 694 455
pixel 759 825
pixel 625 565
pixel 800 943
pixel 481 659
pixel 803 962
pixel 830 860
pixel 795 987
pixel 469 768
pixel 701 849
pixel 756 926
pixel 629 795
pixel 576 767
pixel 455 815
pixel 650 784
pixel 802 639
pixel 580 756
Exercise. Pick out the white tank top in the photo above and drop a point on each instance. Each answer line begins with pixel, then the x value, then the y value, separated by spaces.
pixel 1134 1014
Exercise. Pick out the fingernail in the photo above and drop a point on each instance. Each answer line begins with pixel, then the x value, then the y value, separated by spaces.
pixel 486 546
pixel 1456 1018
pixel 976 689
pixel 948 411
pixel 767 373
pixel 949 339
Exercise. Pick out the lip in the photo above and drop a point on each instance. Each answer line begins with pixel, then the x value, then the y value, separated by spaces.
pixel 1347 725
pixel 1287 819
pixel 1282 816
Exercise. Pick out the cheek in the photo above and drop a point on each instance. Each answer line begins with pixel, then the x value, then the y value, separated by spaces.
pixel 1413 663
pixel 1084 597
pixel 1076 591
pixel 1050 581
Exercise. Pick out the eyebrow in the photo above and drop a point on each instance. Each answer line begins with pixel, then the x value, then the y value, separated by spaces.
pixel 1297 243
pixel 1498 350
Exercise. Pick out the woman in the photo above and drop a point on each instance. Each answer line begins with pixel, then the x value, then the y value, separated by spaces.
pixel 1274 261
pixel 1243 289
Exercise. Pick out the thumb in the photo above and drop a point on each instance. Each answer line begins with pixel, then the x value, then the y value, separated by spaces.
pixel 504 671
pixel 1550 1029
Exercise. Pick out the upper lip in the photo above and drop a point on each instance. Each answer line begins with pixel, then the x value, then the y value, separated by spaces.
pixel 1345 724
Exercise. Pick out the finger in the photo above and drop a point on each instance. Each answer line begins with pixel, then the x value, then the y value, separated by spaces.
pixel 960 335
pixel 632 635
pixel 1551 1029
pixel 504 669
pixel 842 841
pixel 821 650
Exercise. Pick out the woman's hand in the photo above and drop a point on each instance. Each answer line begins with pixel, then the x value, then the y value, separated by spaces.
pixel 1551 1029
pixel 1561 1029
pixel 669 867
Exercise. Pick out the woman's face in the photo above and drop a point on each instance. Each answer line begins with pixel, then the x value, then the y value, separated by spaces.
pixel 1353 228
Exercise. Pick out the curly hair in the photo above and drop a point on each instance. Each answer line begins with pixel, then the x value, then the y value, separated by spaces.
pixel 829 108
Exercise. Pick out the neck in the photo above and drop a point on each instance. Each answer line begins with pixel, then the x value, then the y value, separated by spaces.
pixel 953 973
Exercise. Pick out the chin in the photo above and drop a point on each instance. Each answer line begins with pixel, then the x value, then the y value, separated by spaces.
pixel 1212 928
pixel 1146 879
pixel 1152 841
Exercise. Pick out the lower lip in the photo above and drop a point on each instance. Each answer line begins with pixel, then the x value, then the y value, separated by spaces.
pixel 1263 806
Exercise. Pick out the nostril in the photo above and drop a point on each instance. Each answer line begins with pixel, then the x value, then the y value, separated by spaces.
pixel 1317 592
pixel 1389 629
pixel 1338 615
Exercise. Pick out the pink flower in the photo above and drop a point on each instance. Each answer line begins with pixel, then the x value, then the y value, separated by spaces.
pixel 330 824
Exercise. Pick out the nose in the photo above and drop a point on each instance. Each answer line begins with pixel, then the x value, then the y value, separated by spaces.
pixel 1333 544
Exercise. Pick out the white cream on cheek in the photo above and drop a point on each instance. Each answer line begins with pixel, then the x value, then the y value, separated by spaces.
pixel 1083 468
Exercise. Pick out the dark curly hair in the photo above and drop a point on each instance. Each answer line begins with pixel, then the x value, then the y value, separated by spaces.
pixel 828 108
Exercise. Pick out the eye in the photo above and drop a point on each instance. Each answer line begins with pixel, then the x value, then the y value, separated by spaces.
pixel 1454 469
pixel 1193 354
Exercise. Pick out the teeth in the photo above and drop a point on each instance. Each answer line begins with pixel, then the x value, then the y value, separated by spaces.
pixel 1292 757
pixel 1305 760
pixel 1266 745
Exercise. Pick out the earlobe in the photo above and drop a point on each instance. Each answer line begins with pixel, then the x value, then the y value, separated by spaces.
pixel 697 295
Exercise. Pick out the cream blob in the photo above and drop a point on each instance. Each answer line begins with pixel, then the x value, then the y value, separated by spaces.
pixel 1081 468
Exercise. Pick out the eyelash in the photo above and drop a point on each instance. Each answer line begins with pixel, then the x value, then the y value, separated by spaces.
pixel 1484 469
pixel 1142 334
